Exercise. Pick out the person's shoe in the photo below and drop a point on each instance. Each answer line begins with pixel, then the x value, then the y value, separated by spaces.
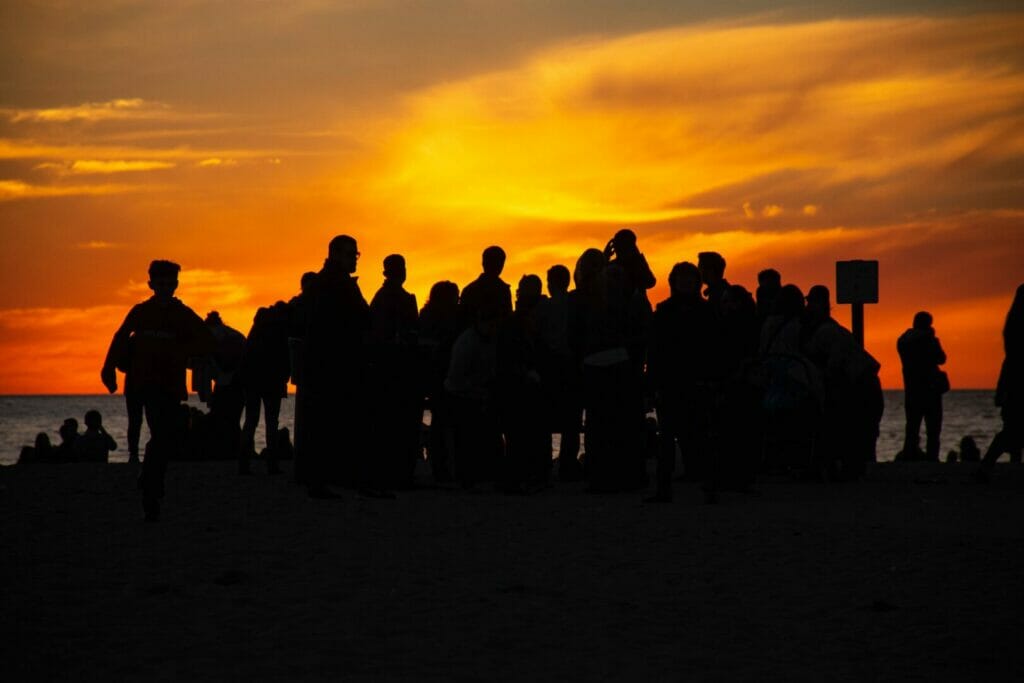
pixel 133 459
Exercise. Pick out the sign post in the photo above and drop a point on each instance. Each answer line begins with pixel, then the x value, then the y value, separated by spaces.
pixel 857 284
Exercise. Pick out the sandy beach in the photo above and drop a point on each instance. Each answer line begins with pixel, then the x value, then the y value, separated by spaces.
pixel 914 574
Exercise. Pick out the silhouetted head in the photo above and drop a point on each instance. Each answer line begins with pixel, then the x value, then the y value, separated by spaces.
pixel 684 280
pixel 819 301
pixel 394 268
pixel 163 278
pixel 493 260
pixel 624 241
pixel 43 442
pixel 69 429
pixel 790 302
pixel 444 296
pixel 769 277
pixel 93 419
pixel 528 292
pixel 922 320
pixel 589 269
pixel 711 266
pixel 737 301
pixel 1014 327
pixel 558 279
pixel 213 319
pixel 343 252
pixel 308 278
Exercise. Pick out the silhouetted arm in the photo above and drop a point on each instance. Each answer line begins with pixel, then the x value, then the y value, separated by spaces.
pixel 940 355
pixel 108 375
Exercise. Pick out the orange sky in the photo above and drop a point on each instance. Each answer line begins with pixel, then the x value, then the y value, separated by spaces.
pixel 237 139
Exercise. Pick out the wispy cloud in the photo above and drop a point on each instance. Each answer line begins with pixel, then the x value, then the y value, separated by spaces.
pixel 96 244
pixel 216 161
pixel 15 189
pixel 117 165
pixel 118 109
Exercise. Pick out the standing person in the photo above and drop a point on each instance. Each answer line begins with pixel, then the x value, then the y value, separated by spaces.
pixel 487 291
pixel 606 319
pixel 678 365
pixel 711 265
pixel 622 251
pixel 334 377
pixel 472 374
pixel 298 323
pixel 438 330
pixel 227 401
pixel 1009 391
pixel 396 387
pixel 264 375
pixel 164 334
pixel 923 386
pixel 521 398
pixel 769 284
pixel 559 374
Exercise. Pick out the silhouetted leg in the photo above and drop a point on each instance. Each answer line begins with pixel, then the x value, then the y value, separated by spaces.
pixel 133 402
pixel 933 423
pixel 162 416
pixel 666 464
pixel 271 416
pixel 912 435
pixel 252 420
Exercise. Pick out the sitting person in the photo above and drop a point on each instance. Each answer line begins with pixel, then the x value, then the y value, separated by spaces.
pixel 95 444
pixel 41 452
pixel 65 451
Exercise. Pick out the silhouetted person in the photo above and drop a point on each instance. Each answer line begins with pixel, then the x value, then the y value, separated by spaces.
pixel 165 333
pixel 681 376
pixel 607 325
pixel 769 283
pixel 794 394
pixel 521 398
pixel 41 451
pixel 923 386
pixel 439 328
pixel 1009 390
pixel 227 400
pixel 622 251
pixel 559 372
pixel 487 290
pixel 264 375
pixel 334 377
pixel 298 324
pixel 66 450
pixel 736 424
pixel 711 265
pixel 95 444
pixel 397 388
pixel 470 384
pixel 853 396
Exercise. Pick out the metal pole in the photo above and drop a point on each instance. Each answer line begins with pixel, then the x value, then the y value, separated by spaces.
pixel 858 324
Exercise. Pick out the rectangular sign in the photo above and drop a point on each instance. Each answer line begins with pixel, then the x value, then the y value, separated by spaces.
pixel 857 282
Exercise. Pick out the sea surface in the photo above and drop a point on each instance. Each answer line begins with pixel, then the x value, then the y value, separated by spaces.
pixel 22 417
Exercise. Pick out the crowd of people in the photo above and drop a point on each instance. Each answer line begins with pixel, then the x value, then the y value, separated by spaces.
pixel 740 383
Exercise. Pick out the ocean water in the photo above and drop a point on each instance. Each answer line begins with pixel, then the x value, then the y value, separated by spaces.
pixel 22 417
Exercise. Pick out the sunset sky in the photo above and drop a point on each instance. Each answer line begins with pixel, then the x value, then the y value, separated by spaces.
pixel 237 137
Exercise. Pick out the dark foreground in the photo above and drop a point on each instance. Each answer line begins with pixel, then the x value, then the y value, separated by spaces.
pixel 913 574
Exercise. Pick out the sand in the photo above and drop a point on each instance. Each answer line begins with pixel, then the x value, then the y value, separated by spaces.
pixel 913 574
